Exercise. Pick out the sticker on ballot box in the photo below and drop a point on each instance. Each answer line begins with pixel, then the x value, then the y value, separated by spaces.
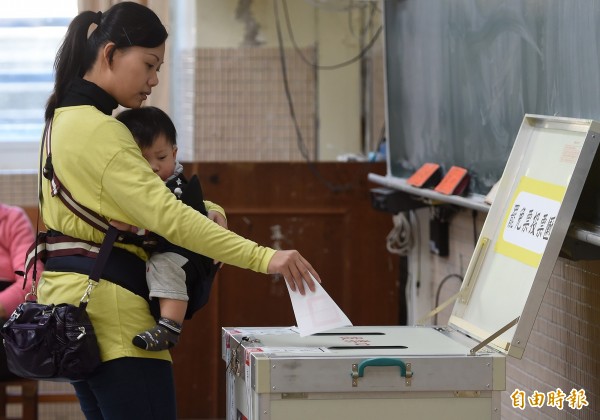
pixel 249 351
pixel 529 220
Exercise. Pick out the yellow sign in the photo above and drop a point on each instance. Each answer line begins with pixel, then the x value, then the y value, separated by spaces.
pixel 529 220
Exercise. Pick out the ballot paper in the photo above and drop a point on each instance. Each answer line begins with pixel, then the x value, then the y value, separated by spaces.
pixel 316 312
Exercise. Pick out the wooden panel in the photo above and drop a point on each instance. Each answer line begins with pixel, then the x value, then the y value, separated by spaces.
pixel 324 211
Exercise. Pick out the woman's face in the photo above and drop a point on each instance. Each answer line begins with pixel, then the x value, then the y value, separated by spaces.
pixel 134 72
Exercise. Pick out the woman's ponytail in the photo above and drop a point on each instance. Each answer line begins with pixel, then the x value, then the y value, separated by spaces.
pixel 69 62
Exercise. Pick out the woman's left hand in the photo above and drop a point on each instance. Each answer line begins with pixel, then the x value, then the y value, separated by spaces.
pixel 123 227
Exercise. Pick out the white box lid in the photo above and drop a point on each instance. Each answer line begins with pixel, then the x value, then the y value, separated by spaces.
pixel 523 233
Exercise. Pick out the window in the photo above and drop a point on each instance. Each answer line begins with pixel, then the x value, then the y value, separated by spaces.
pixel 30 33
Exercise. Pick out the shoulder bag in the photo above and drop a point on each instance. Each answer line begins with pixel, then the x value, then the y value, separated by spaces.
pixel 55 342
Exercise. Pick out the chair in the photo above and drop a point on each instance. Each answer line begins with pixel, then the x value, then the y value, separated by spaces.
pixel 28 397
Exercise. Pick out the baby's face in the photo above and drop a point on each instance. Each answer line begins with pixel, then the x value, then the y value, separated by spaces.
pixel 161 156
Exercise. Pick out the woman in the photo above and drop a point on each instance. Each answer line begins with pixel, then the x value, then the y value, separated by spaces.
pixel 96 158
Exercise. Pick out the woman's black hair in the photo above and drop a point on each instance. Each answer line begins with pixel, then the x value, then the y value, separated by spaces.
pixel 147 123
pixel 127 24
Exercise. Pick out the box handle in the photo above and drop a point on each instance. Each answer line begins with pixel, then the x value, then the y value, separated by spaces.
pixel 358 370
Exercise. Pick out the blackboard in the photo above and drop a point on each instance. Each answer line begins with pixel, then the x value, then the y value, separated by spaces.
pixel 461 75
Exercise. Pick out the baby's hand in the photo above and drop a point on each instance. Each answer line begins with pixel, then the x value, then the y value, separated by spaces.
pixel 218 218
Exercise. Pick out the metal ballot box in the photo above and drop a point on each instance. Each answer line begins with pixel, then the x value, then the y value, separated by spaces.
pixel 455 371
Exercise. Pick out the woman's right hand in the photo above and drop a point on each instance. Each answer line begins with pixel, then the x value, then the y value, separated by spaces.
pixel 295 269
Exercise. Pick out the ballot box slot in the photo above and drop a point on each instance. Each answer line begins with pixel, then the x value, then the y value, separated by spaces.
pixel 367 347
pixel 343 334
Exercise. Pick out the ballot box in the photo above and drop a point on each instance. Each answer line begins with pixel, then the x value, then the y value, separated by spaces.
pixel 454 371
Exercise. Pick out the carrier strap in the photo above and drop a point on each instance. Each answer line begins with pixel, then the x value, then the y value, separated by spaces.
pixel 47 245
pixel 94 219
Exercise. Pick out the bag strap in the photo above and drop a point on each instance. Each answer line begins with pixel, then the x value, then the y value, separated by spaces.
pixel 36 245
pixel 101 259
